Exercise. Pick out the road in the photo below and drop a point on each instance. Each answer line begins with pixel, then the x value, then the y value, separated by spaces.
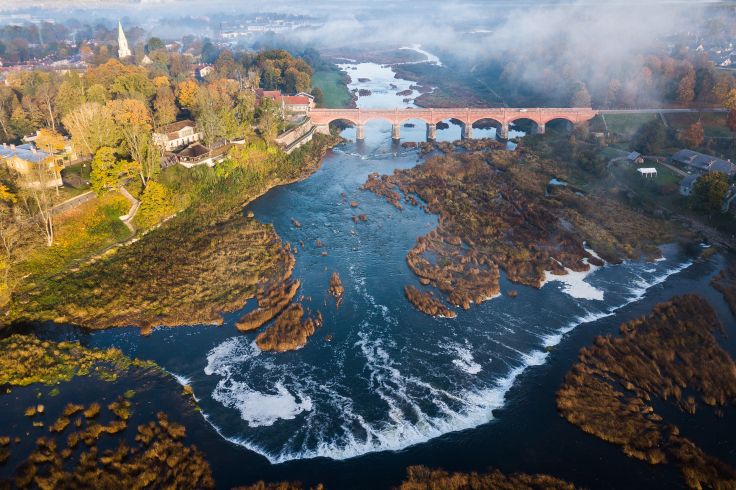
pixel 660 111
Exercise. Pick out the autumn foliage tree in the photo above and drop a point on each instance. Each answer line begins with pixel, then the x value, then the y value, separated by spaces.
pixel 135 123
pixel 156 204
pixel 186 93
pixel 692 136
pixel 50 141
pixel 108 171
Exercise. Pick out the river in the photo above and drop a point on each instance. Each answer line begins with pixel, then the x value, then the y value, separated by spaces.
pixel 380 376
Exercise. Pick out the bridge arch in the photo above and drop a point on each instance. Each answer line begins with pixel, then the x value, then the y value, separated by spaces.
pixel 527 124
pixel 341 121
pixel 479 122
pixel 561 123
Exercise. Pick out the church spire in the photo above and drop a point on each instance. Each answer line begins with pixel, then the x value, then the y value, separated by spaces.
pixel 123 50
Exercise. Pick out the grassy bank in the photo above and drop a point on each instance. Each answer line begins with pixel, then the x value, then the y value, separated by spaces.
pixel 206 260
pixel 79 233
pixel 336 93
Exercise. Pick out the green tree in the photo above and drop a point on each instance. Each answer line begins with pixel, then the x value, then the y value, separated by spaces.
pixel 153 44
pixel 319 96
pixel 91 126
pixel 133 86
pixel 269 119
pixel 70 94
pixel 709 192
pixel 97 93
pixel 650 138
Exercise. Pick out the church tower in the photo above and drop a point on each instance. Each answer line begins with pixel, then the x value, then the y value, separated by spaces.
pixel 123 50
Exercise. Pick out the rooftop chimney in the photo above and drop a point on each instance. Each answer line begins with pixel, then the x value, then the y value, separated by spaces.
pixel 12 147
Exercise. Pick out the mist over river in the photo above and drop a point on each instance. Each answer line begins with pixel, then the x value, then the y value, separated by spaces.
pixel 381 376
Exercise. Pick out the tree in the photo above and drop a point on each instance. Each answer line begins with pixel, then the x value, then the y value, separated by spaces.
pixel 153 44
pixel 731 120
pixel 97 93
pixel 134 121
pixel 580 96
pixel 186 93
pixel 319 96
pixel 269 119
pixel 11 240
pixel 108 172
pixel 38 199
pixel 296 81
pixel 50 141
pixel 70 94
pixel 709 191
pixel 650 138
pixel 46 97
pixel 728 99
pixel 156 204
pixel 164 106
pixel 91 126
pixel 133 86
pixel 692 136
pixel 20 124
pixel 208 117
pixel 686 88
pixel 8 100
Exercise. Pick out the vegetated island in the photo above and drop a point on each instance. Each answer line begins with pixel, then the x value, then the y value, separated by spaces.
pixel 207 260
pixel 90 445
pixel 670 355
pixel 725 282
pixel 423 478
pixel 496 211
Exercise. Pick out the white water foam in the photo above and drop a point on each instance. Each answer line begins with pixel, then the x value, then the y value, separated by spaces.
pixel 465 361
pixel 574 283
pixel 256 408
pixel 637 292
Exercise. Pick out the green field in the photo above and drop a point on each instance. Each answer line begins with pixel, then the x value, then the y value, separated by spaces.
pixel 714 124
pixel 627 124
pixel 335 92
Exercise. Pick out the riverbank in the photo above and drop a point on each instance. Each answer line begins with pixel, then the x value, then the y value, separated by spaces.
pixel 207 260
pixel 334 87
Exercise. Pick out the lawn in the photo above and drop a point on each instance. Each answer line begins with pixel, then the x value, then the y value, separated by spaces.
pixel 336 94
pixel 714 124
pixel 627 124
pixel 80 232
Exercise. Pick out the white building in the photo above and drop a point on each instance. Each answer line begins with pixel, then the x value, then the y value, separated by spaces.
pixel 123 49
pixel 177 135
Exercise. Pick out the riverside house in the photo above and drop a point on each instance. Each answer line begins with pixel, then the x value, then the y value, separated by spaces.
pixel 299 104
pixel 177 135
pixel 701 163
pixel 34 166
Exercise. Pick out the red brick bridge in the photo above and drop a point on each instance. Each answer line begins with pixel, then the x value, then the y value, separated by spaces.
pixel 501 117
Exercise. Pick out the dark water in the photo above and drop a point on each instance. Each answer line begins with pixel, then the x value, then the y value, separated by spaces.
pixel 380 385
